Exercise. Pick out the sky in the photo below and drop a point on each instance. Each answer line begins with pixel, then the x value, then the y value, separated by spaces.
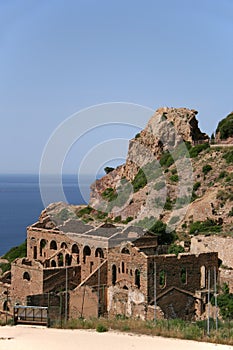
pixel 59 57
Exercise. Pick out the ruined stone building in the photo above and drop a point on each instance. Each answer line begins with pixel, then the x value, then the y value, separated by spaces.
pixel 109 270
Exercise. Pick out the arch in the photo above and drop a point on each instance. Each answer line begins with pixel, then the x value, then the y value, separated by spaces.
pixel 122 267
pixel 26 276
pixel 63 245
pixel 53 263
pixel 114 274
pixel 99 253
pixel 203 276
pixel 43 243
pixel 53 245
pixel 183 275
pixel 137 278
pixel 75 249
pixel 5 306
pixel 68 259
pixel 60 259
pixel 125 251
pixel 162 279
pixel 86 252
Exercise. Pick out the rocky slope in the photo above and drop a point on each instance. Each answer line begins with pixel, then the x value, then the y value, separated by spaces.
pixel 171 173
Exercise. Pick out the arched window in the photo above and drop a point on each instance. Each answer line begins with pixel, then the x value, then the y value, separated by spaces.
pixel 114 274
pixel 26 276
pixel 42 245
pixel 75 249
pixel 86 252
pixel 5 306
pixel 183 275
pixel 63 245
pixel 137 278
pixel 125 251
pixel 122 267
pixel 68 259
pixel 162 279
pixel 99 253
pixel 53 245
pixel 53 263
pixel 60 259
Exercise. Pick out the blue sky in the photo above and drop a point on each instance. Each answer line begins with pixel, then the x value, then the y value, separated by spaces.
pixel 61 56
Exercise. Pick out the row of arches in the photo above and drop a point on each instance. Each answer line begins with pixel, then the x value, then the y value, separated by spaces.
pixel 137 281
pixel 53 246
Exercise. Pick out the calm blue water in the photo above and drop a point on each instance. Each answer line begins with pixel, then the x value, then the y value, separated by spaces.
pixel 21 205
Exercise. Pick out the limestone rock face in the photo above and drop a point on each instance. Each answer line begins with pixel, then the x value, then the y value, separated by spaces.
pixel 166 129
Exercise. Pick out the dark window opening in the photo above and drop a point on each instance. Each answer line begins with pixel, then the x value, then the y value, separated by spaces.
pixel 53 245
pixel 68 260
pixel 123 267
pixel 60 259
pixel 42 245
pixel 114 274
pixel 53 263
pixel 86 252
pixel 183 275
pixel 35 252
pixel 99 253
pixel 125 251
pixel 75 249
pixel 162 279
pixel 26 276
pixel 63 245
pixel 137 278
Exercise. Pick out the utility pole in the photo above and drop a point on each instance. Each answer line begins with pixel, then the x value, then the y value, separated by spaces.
pixel 155 294
pixel 215 298
pixel 208 317
pixel 99 292
pixel 66 295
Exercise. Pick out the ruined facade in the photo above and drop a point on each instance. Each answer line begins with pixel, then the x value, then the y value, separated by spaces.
pixel 109 270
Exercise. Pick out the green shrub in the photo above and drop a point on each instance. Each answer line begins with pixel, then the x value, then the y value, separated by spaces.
pixel 137 135
pixel 228 157
pixel 206 168
pixel 109 194
pixel 166 159
pixel 159 228
pixel 127 220
pixel 174 178
pixel 84 211
pixel 196 150
pixel 168 204
pixel 196 186
pixel 225 127
pixel 101 328
pixel 230 212
pixel 16 252
pixel 139 181
pixel 108 169
pixel 222 175
pixel 205 226
pixel 117 218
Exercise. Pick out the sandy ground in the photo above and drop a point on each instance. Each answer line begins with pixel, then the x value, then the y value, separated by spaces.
pixel 40 338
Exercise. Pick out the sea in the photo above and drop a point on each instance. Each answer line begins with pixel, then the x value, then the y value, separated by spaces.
pixel 21 204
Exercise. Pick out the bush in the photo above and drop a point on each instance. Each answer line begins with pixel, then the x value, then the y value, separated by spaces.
pixel 166 159
pixel 108 169
pixel 175 249
pixel 168 204
pixel 225 127
pixel 174 178
pixel 205 226
pixel 194 151
pixel 222 175
pixel 101 328
pixel 109 194
pixel 159 228
pixel 228 157
pixel 139 181
pixel 206 168
pixel 16 252
pixel 196 186
pixel 87 210
pixel 127 220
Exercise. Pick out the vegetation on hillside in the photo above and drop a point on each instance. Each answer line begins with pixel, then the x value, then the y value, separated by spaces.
pixel 14 253
pixel 225 127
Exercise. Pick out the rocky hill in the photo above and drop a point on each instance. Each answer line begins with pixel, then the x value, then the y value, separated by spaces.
pixel 172 173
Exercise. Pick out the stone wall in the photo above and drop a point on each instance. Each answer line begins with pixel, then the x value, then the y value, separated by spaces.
pixel 26 279
pixel 222 245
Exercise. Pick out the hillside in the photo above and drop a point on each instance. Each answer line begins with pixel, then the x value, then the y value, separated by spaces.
pixel 172 174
